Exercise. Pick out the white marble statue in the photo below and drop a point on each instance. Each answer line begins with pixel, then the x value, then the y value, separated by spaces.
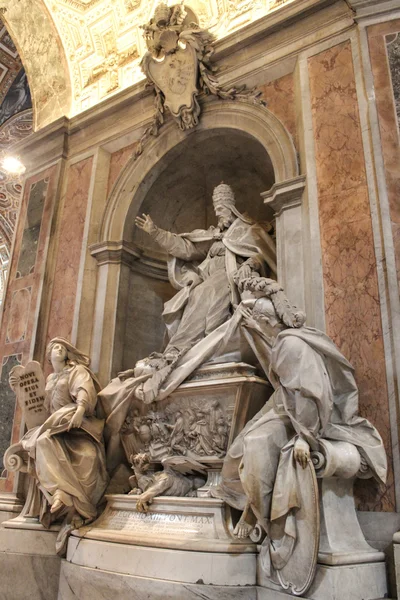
pixel 66 454
pixel 315 398
pixel 204 266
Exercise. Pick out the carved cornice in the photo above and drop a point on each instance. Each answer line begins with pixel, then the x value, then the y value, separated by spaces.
pixel 115 253
pixel 285 194
pixel 126 253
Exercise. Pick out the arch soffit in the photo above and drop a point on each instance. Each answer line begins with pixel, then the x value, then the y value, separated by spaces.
pixel 36 38
pixel 251 119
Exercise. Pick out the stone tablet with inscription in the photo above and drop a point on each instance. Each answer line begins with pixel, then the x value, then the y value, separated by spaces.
pixel 28 383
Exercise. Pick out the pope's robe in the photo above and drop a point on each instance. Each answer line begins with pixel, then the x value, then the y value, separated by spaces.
pixel 202 265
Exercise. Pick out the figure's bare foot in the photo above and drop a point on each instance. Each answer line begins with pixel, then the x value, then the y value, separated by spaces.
pixel 57 504
pixel 242 530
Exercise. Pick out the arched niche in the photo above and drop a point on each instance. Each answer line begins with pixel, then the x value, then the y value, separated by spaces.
pixel 36 38
pixel 251 119
pixel 242 144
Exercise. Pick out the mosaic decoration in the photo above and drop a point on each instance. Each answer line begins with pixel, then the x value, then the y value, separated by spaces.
pixel 393 50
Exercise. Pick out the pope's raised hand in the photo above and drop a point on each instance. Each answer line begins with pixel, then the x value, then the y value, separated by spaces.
pixel 145 222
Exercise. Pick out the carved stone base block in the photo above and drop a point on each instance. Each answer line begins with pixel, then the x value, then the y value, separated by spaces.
pixel 29 566
pixel 346 582
pixel 83 583
pixel 180 539
pixel 10 506
pixel 396 549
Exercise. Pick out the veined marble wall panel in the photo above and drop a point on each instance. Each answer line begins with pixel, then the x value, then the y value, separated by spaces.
pixel 387 79
pixel 349 264
pixel 23 297
pixel 19 314
pixel 118 161
pixel 280 97
pixel 70 236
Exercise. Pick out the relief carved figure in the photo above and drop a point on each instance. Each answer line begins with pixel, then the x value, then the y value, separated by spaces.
pixel 315 400
pixel 198 432
pixel 65 455
pixel 180 477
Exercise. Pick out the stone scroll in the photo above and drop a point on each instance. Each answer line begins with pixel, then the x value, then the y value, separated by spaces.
pixel 28 383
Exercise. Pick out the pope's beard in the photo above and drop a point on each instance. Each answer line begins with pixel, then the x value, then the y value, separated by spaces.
pixel 225 222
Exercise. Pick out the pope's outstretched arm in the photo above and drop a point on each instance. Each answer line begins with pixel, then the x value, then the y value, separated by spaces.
pixel 171 242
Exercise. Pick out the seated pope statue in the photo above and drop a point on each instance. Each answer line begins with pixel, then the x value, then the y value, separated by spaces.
pixel 203 266
pixel 315 397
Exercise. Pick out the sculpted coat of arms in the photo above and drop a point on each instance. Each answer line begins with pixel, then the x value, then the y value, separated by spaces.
pixel 177 65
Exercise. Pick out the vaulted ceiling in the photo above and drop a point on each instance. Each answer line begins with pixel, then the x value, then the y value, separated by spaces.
pixel 78 52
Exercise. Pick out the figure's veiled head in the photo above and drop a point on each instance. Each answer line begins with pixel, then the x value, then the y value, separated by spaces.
pixel 61 350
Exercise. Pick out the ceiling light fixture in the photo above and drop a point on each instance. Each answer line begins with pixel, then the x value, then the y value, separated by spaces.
pixel 12 165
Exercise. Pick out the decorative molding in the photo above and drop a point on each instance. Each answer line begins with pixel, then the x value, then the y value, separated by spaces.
pixel 285 194
pixel 128 254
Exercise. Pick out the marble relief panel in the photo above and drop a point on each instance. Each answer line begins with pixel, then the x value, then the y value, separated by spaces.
pixel 30 236
pixel 7 403
pixel 70 236
pixel 352 301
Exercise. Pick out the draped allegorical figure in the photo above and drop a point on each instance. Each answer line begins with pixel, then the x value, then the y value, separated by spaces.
pixel 67 450
pixel 315 398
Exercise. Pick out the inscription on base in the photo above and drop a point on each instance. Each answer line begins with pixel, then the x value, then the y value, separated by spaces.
pixel 156 523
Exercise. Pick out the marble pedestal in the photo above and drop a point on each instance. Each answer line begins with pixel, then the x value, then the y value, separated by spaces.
pixel 181 549
pixel 29 565
pixel 348 568
pixel 396 551
pixel 345 582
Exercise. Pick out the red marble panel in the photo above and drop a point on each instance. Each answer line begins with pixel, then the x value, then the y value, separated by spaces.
pixel 16 319
pixel 387 121
pixel 118 161
pixel 280 97
pixel 19 314
pixel 70 237
pixel 348 256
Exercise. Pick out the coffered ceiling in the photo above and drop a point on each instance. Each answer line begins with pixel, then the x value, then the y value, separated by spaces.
pixel 103 40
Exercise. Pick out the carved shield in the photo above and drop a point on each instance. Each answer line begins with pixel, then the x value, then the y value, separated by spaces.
pixel 176 76
pixel 298 574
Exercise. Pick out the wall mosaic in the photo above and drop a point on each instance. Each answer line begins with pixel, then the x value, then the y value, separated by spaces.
pixel 10 62
pixel 393 50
